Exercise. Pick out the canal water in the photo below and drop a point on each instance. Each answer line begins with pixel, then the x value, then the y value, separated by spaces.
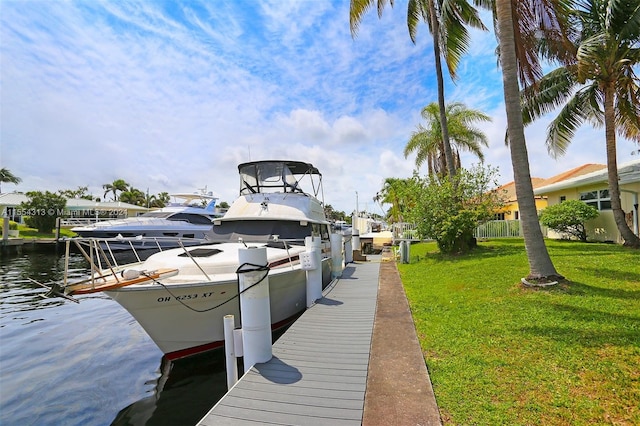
pixel 63 363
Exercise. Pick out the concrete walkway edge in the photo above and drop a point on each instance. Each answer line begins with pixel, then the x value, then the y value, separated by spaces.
pixel 399 390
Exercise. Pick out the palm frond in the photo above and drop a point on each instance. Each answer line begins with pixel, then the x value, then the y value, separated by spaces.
pixel 417 11
pixel 455 16
pixel 562 129
pixel 357 10
pixel 548 93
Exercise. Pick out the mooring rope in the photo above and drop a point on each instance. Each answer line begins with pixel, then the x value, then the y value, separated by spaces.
pixel 240 270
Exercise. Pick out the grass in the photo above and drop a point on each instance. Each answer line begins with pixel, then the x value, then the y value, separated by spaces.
pixel 26 232
pixel 501 354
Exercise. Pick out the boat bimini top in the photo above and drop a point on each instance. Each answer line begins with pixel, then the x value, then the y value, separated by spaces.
pixel 280 176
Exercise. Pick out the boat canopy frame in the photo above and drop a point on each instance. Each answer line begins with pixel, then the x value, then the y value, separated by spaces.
pixel 271 176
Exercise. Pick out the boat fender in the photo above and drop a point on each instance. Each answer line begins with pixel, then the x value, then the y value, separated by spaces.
pixel 130 274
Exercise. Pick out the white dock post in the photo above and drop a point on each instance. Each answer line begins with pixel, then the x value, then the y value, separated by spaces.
pixel 254 308
pixel 5 228
pixel 336 255
pixel 348 250
pixel 312 263
pixel 355 239
pixel 405 250
pixel 229 351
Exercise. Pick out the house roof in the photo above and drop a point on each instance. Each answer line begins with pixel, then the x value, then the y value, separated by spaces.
pixel 627 172
pixel 509 189
pixel 13 199
pixel 81 203
pixel 573 173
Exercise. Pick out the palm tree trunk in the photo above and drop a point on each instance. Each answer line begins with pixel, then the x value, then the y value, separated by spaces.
pixel 630 239
pixel 540 265
pixel 435 26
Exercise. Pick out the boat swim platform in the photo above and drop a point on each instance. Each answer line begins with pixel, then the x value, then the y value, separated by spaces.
pixel 353 358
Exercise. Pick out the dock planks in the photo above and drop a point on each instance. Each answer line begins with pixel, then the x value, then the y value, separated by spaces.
pixel 318 373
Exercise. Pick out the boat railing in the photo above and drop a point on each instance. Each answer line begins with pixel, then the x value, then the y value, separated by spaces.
pixel 105 259
pixel 80 221
pixel 105 255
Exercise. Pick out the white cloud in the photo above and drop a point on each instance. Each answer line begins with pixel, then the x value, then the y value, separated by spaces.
pixel 173 96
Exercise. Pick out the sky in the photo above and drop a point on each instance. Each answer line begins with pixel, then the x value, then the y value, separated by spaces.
pixel 172 95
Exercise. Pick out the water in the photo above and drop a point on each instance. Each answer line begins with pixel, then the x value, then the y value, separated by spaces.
pixel 63 363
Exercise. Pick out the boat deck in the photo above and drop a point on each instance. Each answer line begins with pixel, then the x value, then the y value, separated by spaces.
pixel 318 373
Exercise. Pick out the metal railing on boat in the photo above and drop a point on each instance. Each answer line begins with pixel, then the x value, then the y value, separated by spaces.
pixel 109 257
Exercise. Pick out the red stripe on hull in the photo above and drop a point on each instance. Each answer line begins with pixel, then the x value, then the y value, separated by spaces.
pixel 183 353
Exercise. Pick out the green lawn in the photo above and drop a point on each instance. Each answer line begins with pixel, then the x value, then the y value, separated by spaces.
pixel 26 232
pixel 501 354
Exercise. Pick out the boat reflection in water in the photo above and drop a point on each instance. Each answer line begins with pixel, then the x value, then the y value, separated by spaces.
pixel 185 391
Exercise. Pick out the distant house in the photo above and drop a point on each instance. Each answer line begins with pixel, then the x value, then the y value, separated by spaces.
pixel 592 188
pixel 511 211
pixel 75 208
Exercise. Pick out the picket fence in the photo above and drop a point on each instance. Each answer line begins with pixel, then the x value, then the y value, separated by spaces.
pixel 490 229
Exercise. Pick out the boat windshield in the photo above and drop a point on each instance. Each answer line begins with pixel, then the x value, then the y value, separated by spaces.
pixel 268 176
pixel 161 215
pixel 260 231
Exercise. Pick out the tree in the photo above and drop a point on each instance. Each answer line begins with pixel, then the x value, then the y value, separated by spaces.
pixel 7 177
pixel 447 20
pixel 117 185
pixel 597 83
pixel 133 196
pixel 158 201
pixel 449 211
pixel 427 141
pixel 531 18
pixel 569 218
pixel 80 193
pixel 401 194
pixel 43 208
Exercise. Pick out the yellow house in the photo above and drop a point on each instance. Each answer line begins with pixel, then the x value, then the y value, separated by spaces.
pixel 511 211
pixel 592 188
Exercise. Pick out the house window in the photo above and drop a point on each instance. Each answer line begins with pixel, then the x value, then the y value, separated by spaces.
pixel 517 215
pixel 563 198
pixel 598 199
pixel 499 216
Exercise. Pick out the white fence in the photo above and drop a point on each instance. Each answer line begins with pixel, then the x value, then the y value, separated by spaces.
pixel 490 229
pixel 404 231
pixel 502 229
pixel 498 229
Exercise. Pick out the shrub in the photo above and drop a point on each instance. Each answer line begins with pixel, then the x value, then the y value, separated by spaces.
pixel 568 218
pixel 449 211
pixel 42 210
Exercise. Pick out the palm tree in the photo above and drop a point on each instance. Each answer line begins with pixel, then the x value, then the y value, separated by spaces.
pixel 427 141
pixel 8 177
pixel 114 187
pixel 596 84
pixel 518 25
pixel 133 196
pixel 447 20
pixel 401 194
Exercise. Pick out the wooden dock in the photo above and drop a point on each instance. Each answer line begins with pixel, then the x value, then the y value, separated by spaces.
pixel 318 373
pixel 16 245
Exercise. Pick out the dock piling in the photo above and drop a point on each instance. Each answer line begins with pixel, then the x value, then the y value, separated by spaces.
pixel 254 307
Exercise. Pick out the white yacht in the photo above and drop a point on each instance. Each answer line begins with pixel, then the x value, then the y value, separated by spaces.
pixel 180 296
pixel 187 221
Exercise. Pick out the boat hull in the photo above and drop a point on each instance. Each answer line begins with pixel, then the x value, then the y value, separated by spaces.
pixel 187 319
